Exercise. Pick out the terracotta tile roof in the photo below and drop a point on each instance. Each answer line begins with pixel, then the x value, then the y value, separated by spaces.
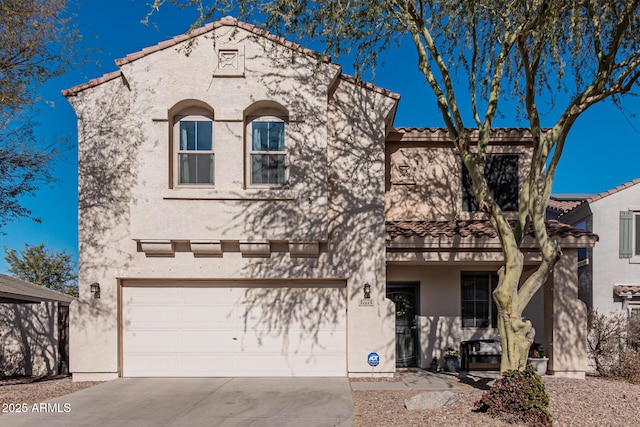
pixel 441 134
pixel 471 228
pixel 564 204
pixel 227 21
pixel 91 83
pixel 224 22
pixel 370 86
pixel 613 190
pixel 621 290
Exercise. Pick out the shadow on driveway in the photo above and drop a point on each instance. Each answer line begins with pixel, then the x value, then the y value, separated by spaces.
pixel 198 402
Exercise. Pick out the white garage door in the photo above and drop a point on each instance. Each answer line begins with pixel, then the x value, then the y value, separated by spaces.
pixel 205 330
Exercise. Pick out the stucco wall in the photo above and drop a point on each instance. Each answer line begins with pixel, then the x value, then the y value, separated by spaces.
pixel 424 178
pixel 29 339
pixel 356 221
pixel 335 198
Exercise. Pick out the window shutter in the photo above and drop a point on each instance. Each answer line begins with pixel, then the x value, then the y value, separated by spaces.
pixel 626 234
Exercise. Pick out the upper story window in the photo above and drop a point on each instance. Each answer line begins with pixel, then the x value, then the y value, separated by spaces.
pixel 478 308
pixel 267 162
pixel 583 255
pixel 194 150
pixel 630 234
pixel 502 175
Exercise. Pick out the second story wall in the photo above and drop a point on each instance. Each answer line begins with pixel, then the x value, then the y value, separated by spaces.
pixel 271 85
pixel 424 174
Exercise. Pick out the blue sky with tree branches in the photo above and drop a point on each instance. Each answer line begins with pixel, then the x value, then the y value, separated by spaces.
pixel 602 151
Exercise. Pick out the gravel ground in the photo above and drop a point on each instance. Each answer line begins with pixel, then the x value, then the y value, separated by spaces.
pixel 590 402
pixel 37 389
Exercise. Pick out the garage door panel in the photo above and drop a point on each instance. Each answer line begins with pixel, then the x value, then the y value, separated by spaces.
pixel 157 296
pixel 142 313
pixel 203 365
pixel 272 330
pixel 209 314
pixel 158 340
pixel 154 364
pixel 316 342
pixel 210 293
pixel 295 308
pixel 208 341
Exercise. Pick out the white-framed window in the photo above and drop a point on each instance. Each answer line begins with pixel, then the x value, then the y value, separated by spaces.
pixel 194 150
pixel 478 308
pixel 267 160
pixel 630 234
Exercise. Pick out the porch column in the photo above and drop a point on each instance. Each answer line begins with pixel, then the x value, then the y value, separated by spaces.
pixel 565 320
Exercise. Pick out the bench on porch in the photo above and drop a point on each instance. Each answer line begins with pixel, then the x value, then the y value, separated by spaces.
pixel 481 355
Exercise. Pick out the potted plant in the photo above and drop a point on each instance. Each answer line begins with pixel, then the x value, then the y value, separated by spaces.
pixel 537 359
pixel 451 360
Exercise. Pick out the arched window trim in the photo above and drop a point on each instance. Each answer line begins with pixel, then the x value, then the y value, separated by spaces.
pixel 267 160
pixel 198 162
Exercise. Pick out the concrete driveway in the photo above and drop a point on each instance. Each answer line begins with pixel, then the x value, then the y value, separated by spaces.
pixel 198 402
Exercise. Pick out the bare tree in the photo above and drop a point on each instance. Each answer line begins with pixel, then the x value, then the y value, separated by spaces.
pixel 36 40
pixel 520 54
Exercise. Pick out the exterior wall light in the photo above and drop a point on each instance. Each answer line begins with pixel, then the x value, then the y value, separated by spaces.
pixel 367 290
pixel 95 289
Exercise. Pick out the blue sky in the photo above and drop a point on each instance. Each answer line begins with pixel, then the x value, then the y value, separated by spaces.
pixel 603 149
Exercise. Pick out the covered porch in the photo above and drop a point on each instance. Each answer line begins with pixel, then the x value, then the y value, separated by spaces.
pixel 446 271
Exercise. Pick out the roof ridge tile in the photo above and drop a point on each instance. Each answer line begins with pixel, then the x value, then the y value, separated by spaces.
pixel 226 21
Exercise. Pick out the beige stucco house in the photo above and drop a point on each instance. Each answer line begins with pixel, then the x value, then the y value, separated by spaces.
pixel 246 209
pixel 609 273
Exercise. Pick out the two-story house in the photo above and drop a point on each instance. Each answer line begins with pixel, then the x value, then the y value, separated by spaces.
pixel 248 210
pixel 609 273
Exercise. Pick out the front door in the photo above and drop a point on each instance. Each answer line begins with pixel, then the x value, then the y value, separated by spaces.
pixel 405 295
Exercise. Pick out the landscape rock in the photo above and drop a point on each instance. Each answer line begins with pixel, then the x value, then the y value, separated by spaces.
pixel 431 400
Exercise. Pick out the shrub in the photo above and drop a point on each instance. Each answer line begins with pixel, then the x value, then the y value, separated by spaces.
pixel 614 345
pixel 628 368
pixel 605 339
pixel 517 397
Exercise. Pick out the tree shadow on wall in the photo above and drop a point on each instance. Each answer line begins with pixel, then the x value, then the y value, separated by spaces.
pixel 107 160
pixel 28 341
pixel 422 181
pixel 110 136
pixel 565 318
pixel 334 198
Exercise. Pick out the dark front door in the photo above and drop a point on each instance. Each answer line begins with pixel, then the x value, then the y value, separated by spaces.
pixel 406 298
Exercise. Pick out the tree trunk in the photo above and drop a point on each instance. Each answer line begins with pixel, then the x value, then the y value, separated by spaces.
pixel 516 337
pixel 516 333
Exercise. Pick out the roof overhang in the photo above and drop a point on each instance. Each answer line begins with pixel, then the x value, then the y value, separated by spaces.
pixel 16 291
pixel 469 241
pixel 627 291
pixel 7 298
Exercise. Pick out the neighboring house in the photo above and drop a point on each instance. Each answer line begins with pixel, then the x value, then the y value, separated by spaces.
pixel 34 329
pixel 248 210
pixel 609 273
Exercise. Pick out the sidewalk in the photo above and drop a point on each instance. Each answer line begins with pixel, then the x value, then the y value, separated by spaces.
pixel 418 379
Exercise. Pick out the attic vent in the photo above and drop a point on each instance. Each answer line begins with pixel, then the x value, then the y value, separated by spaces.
pixel 229 60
